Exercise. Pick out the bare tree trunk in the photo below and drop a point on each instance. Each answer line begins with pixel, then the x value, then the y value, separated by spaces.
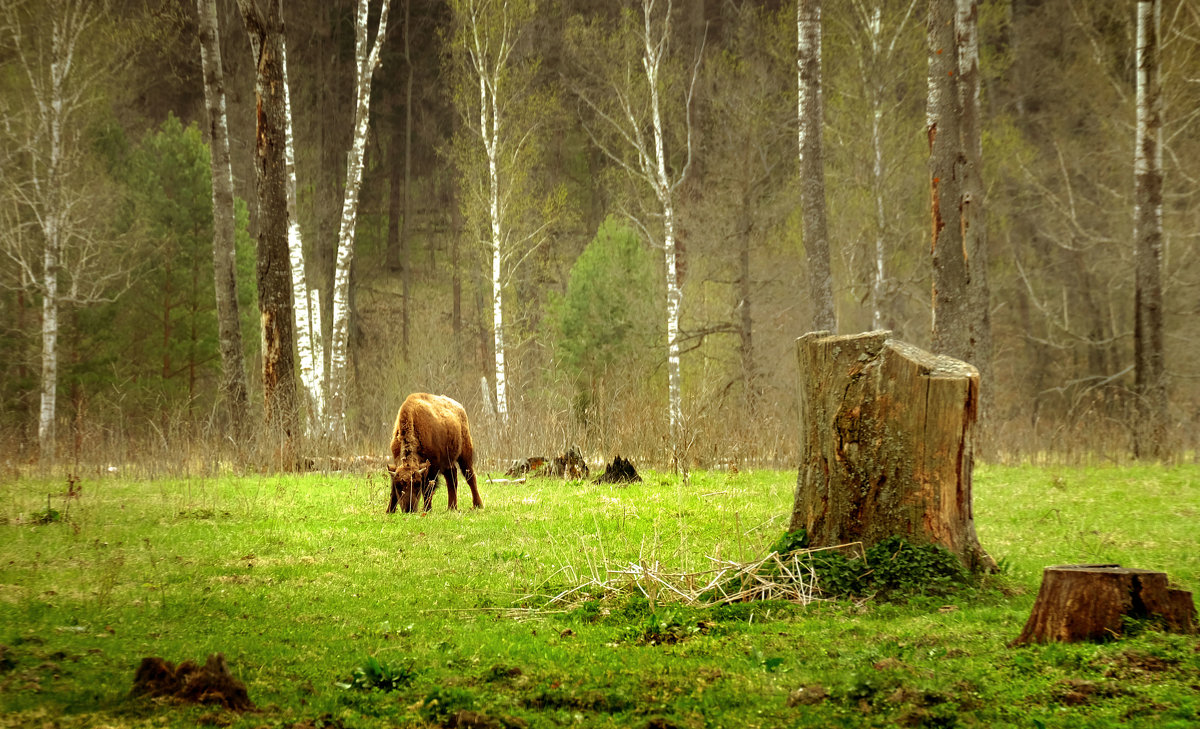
pixel 746 323
pixel 307 302
pixel 973 210
pixel 395 179
pixel 664 188
pixel 406 226
pixel 1149 360
pixel 950 306
pixel 456 228
pixel 50 270
pixel 366 61
pixel 811 117
pixel 274 274
pixel 233 363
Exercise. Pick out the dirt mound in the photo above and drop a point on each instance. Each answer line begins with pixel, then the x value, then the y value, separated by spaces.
pixel 619 471
pixel 211 683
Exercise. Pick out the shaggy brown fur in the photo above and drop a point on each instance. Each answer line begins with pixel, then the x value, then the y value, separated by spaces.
pixel 431 437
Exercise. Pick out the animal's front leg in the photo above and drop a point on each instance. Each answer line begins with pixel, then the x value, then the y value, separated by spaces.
pixel 430 487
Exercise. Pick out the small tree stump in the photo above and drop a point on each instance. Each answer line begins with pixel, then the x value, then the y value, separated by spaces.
pixel 886 445
pixel 1092 602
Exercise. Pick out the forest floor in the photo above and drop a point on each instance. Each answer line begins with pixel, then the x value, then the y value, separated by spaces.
pixel 335 614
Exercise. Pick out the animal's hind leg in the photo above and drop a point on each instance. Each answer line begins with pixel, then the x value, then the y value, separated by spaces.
pixel 452 488
pixel 469 472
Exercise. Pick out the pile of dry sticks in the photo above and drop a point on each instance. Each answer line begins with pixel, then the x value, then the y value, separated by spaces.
pixel 776 576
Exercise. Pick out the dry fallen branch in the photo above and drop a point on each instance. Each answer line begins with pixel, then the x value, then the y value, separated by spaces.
pixel 776 576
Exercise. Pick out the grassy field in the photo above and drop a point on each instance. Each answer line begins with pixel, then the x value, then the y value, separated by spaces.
pixel 305 585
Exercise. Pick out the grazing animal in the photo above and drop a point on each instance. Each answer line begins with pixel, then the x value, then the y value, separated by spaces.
pixel 431 437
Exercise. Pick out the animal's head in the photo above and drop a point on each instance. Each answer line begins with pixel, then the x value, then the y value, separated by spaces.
pixel 409 482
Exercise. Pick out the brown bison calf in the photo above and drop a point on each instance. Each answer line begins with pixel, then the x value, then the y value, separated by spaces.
pixel 431 437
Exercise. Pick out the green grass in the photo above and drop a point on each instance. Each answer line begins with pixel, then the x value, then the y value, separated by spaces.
pixel 314 595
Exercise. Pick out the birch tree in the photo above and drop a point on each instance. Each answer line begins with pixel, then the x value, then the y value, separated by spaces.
pixel 233 364
pixel 499 112
pixel 881 38
pixel 365 62
pixel 307 302
pixel 265 29
pixel 630 107
pixel 811 121
pixel 51 204
pixel 1149 365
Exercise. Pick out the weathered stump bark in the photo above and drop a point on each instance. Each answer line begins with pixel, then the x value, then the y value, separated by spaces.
pixel 1091 602
pixel 886 444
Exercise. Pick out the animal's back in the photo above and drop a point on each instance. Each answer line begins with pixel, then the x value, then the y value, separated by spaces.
pixel 433 428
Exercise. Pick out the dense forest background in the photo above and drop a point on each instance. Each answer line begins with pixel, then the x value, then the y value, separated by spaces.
pixel 583 284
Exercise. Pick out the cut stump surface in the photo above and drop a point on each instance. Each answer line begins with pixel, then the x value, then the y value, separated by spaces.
pixel 1094 602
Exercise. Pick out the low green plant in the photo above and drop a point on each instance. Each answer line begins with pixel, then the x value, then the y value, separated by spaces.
pixel 892 568
pixel 45 516
pixel 374 674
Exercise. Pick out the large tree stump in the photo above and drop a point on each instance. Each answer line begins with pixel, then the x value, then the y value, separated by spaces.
pixel 886 444
pixel 1092 602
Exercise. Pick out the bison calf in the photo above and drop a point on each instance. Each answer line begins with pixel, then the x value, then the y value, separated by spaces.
pixel 431 437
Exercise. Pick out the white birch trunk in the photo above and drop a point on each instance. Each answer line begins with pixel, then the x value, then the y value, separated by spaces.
pixel 365 64
pixel 53 109
pixel 663 190
pixel 489 126
pixel 46 437
pixel 308 336
pixel 489 58
pixel 810 117
pixel 877 175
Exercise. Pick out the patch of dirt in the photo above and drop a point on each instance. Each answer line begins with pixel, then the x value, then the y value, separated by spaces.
pixel 808 695
pixel 1136 664
pixel 1077 692
pixel 324 721
pixel 467 719
pixel 211 683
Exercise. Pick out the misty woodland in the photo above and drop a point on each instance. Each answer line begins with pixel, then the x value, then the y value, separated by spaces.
pixel 256 226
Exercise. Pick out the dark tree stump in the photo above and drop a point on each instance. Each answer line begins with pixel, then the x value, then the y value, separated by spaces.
pixel 1092 601
pixel 886 445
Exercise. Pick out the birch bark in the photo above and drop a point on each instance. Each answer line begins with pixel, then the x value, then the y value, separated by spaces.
pixel 1149 360
pixel 489 32
pixel 59 257
pixel 664 188
pixel 637 125
pixel 307 301
pixel 233 365
pixel 366 61
pixel 811 119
